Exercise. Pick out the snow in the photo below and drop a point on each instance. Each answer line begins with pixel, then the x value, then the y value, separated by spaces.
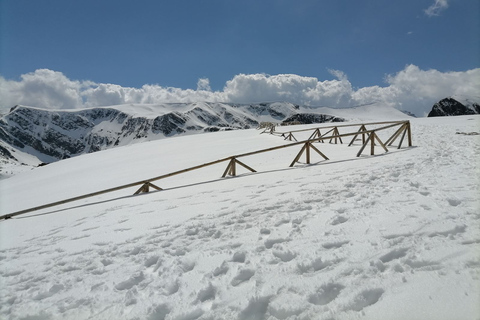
pixel 391 236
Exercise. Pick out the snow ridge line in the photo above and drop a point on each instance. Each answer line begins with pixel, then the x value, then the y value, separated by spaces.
pixel 404 127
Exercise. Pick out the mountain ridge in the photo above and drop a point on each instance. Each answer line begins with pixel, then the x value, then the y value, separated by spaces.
pixel 33 136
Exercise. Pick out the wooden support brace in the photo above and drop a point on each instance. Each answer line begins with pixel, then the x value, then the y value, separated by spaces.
pixel 232 170
pixel 307 152
pixel 327 132
pixel 381 143
pixel 298 155
pixel 363 134
pixel 245 166
pixel 290 136
pixel 364 145
pixel 403 137
pixel 306 148
pixel 339 138
pixel 316 134
pixel 145 188
pixel 228 170
pixel 336 133
pixel 372 143
pixel 362 128
pixel 394 137
pixel 318 151
pixel 409 134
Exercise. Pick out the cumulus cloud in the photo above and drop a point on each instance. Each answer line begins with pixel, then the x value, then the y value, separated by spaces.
pixel 203 84
pixel 44 88
pixel 437 7
pixel 411 89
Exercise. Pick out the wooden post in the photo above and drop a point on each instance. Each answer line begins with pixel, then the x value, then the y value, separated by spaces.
pixel 335 134
pixel 307 149
pixel 290 136
pixel 298 155
pixel 228 170
pixel 403 136
pixel 362 128
pixel 145 188
pixel 231 167
pixel 372 145
pixel 409 134
pixel 394 137
pixel 364 145
pixel 316 134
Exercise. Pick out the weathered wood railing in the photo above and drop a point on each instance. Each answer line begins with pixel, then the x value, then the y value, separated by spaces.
pixel 368 137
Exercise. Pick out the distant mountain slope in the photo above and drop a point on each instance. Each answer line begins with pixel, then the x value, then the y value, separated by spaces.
pixel 455 106
pixel 59 134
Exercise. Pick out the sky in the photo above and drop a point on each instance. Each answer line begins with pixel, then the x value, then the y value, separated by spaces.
pixel 71 54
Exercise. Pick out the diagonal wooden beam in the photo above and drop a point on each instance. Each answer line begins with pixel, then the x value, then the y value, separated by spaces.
pixel 298 155
pixel 145 188
pixel 409 134
pixel 229 168
pixel 364 145
pixel 360 131
pixel 381 143
pixel 245 166
pixel 318 151
pixel 403 137
pixel 394 136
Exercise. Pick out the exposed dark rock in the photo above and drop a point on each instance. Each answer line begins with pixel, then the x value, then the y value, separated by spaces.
pixel 308 118
pixel 452 107
pixel 6 154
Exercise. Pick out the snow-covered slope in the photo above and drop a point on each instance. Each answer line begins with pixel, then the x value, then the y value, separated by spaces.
pixel 394 236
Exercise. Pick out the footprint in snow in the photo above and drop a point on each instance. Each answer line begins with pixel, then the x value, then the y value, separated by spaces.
pixel 207 294
pixel 365 298
pixel 315 265
pixel 129 283
pixel 284 255
pixel 454 202
pixel 242 276
pixel 326 294
pixel 394 254
pixel 334 245
pixel 338 220
pixel 223 269
pixel 451 232
pixel 270 242
pixel 239 257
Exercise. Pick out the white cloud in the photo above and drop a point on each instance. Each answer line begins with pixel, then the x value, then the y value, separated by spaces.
pixel 410 89
pixel 43 88
pixel 436 8
pixel 203 84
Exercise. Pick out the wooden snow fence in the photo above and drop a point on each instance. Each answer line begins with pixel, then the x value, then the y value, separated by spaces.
pixel 367 136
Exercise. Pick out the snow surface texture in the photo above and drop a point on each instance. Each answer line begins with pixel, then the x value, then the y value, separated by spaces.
pixel 393 236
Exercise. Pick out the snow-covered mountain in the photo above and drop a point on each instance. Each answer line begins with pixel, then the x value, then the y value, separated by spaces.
pixel 455 106
pixel 59 134
pixel 393 236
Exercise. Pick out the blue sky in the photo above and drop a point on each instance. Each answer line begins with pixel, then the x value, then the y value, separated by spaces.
pixel 173 43
pixel 176 43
